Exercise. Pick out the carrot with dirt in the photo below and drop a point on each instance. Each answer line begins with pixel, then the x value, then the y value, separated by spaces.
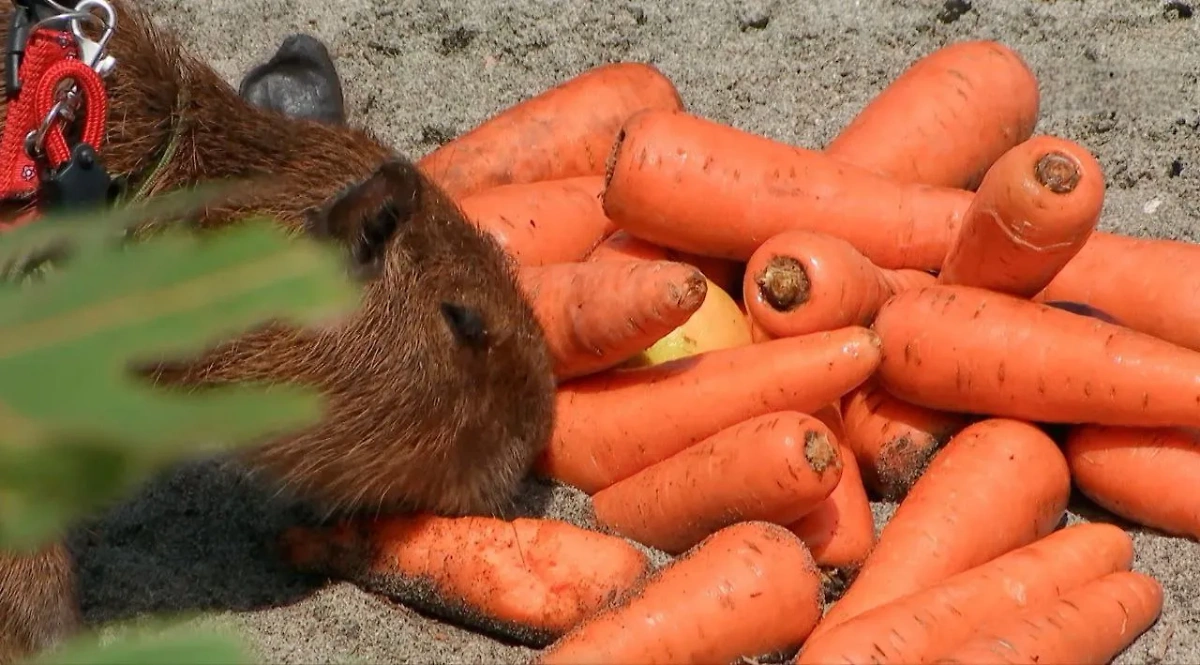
pixel 1059 431
pixel 840 531
pixel 1034 210
pixel 1128 471
pixel 964 349
pixel 612 425
pixel 773 468
pixel 801 282
pixel 622 246
pixel 893 440
pixel 946 118
pixel 563 132
pixel 527 579
pixel 920 627
pixel 699 186
pixel 1089 625
pixel 550 221
pixel 748 589
pixel 1148 284
pixel 996 486
pixel 598 315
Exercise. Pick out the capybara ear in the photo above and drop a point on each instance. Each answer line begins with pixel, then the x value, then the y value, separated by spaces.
pixel 366 216
pixel 299 81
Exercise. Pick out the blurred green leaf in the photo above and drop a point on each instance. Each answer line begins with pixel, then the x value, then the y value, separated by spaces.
pixel 89 231
pixel 164 646
pixel 77 427
pixel 66 346
pixel 80 304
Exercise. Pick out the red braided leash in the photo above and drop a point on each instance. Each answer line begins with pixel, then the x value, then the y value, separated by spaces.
pixel 95 110
pixel 51 59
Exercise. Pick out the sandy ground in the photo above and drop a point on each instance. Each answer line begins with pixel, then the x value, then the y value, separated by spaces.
pixel 1119 76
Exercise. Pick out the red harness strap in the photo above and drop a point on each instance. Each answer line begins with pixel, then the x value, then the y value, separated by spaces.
pixel 51 57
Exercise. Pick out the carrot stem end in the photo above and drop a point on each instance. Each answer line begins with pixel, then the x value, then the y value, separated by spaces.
pixel 1057 172
pixel 783 283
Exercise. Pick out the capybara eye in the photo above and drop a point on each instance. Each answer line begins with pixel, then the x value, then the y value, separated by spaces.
pixel 466 323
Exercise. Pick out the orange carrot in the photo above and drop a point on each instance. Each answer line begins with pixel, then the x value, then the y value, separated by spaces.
pixel 1144 474
pixel 757 333
pixel 958 348
pixel 610 426
pixel 946 118
pixel 1088 625
pixel 893 440
pixel 831 415
pixel 840 531
pixel 801 282
pixel 921 626
pixel 699 186
pixel 998 485
pixel 563 132
pixel 1033 212
pixel 748 589
pixel 551 221
pixel 598 315
pixel 1148 284
pixel 620 245
pixel 773 468
pixel 528 579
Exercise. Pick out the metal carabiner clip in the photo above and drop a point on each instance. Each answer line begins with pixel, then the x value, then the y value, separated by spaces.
pixel 29 15
pixel 94 53
pixel 91 53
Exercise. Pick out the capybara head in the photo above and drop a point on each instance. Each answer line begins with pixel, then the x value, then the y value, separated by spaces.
pixel 440 386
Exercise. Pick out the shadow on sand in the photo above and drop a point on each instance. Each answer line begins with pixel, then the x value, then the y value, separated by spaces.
pixel 200 537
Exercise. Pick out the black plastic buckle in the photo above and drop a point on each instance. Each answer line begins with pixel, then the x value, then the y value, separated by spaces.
pixel 80 182
pixel 19 25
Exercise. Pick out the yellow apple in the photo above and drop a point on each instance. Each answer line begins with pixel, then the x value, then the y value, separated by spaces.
pixel 718 324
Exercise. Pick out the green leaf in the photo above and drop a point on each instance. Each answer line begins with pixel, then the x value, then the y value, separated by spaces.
pixel 149 647
pixel 87 231
pixel 78 428
pixel 66 345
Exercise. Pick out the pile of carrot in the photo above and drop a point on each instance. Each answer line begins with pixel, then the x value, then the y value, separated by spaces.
pixel 928 316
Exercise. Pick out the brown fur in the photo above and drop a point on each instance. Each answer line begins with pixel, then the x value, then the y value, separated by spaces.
pixel 37 601
pixel 422 413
